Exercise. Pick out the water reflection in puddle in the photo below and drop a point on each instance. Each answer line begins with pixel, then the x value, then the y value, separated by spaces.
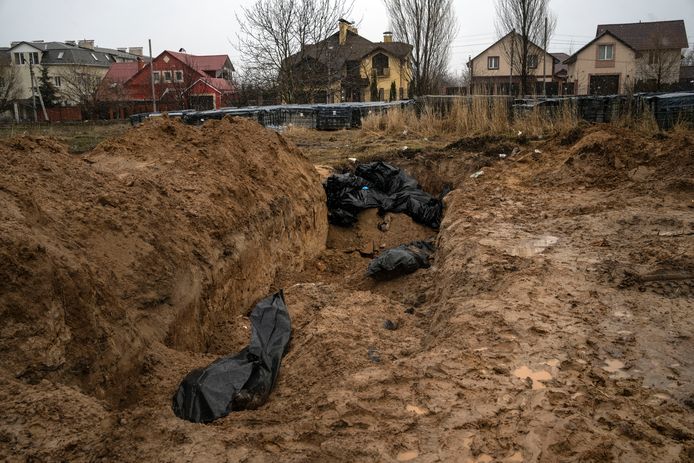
pixel 536 376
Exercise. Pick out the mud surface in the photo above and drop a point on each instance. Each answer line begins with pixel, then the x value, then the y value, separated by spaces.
pixel 554 325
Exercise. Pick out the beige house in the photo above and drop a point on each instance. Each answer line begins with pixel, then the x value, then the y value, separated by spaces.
pixel 74 68
pixel 349 67
pixel 491 70
pixel 629 57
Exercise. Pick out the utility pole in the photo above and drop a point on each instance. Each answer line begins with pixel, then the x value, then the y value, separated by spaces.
pixel 33 96
pixel 544 65
pixel 151 77
pixel 470 74
pixel 510 77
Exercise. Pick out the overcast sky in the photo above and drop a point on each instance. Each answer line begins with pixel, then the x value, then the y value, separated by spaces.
pixel 210 26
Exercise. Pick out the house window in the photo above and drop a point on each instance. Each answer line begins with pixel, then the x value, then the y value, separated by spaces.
pixel 179 76
pixel 19 58
pixel 532 61
pixel 605 52
pixel 167 76
pixel 157 77
pixel 380 63
pixel 61 54
pixel 34 58
pixel 56 81
pixel 94 56
pixel 493 62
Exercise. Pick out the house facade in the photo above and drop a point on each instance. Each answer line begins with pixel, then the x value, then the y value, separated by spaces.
pixel 491 72
pixel 349 67
pixel 629 57
pixel 181 81
pixel 74 69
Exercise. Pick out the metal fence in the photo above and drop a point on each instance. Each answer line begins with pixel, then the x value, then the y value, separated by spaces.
pixel 667 108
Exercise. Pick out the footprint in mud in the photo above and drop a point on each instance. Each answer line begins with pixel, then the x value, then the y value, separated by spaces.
pixel 615 368
pixel 532 247
pixel 536 376
pixel 409 455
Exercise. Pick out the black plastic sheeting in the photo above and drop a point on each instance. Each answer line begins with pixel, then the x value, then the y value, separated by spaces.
pixel 401 260
pixel 334 116
pixel 244 380
pixel 383 186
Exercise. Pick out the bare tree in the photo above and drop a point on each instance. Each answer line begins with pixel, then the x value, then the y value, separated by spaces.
pixel 658 67
pixel 527 19
pixel 429 26
pixel 688 57
pixel 81 86
pixel 273 31
pixel 9 84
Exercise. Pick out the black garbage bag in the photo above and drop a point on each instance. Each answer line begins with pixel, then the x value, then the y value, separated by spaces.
pixel 401 260
pixel 244 380
pixel 379 185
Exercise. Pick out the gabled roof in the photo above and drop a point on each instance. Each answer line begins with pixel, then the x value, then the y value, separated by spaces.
pixel 560 67
pixel 501 40
pixel 203 62
pixel 330 52
pixel 573 57
pixel 121 72
pixel 649 35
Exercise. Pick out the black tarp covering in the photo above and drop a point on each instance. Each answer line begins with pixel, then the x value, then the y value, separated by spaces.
pixel 401 260
pixel 244 380
pixel 377 184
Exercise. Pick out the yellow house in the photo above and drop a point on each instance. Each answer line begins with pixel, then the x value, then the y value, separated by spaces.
pixel 349 67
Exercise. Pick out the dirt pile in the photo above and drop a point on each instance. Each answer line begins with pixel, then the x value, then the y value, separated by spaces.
pixel 167 234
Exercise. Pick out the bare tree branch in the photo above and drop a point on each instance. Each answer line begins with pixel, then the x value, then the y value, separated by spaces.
pixel 527 19
pixel 429 26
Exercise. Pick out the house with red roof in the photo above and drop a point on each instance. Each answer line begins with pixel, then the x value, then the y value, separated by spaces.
pixel 181 81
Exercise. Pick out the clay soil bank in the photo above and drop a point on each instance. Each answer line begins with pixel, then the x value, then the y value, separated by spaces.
pixel 554 324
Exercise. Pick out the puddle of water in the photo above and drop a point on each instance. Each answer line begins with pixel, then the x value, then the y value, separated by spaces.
pixel 407 456
pixel 416 409
pixel 615 368
pixel 532 247
pixel 537 376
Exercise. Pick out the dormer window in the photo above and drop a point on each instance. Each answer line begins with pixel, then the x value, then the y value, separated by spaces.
pixel 61 54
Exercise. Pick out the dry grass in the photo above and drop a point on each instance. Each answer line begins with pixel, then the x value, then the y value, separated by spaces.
pixel 473 117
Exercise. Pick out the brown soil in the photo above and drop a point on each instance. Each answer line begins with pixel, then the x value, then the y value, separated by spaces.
pixel 554 324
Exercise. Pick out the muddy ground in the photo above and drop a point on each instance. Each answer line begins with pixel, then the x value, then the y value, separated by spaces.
pixel 554 324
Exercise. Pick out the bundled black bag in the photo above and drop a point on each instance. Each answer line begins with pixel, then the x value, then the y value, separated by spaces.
pixel 401 260
pixel 244 380
pixel 380 185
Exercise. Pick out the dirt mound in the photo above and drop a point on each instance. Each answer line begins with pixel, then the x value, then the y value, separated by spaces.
pixel 605 158
pixel 166 234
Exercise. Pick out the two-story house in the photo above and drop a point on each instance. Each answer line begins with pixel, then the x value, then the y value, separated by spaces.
pixel 349 67
pixel 627 57
pixel 74 68
pixel 181 81
pixel 492 71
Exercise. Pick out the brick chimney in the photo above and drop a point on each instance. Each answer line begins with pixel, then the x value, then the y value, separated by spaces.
pixel 343 24
pixel 86 44
pixel 140 63
pixel 387 37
